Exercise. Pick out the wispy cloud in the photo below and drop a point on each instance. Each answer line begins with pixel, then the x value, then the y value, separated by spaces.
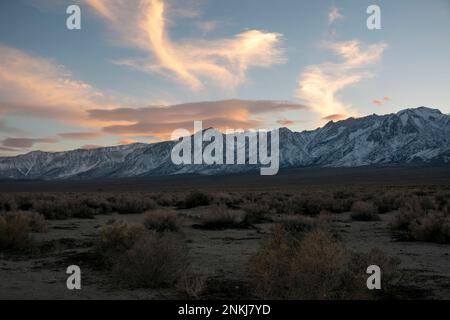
pixel 40 88
pixel 194 61
pixel 334 14
pixel 320 84
pixel 32 86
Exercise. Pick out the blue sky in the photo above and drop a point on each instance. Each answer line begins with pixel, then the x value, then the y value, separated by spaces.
pixel 138 69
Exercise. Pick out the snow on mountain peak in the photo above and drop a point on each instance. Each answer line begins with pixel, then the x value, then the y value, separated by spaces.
pixel 411 135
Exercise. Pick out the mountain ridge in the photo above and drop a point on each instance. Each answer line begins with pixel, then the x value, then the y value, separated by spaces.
pixel 410 135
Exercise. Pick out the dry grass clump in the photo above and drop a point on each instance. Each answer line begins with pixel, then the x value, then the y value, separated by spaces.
pixel 139 258
pixel 63 208
pixel 15 229
pixel 193 285
pixel 161 221
pixel 155 260
pixel 318 266
pixel 114 239
pixel 132 203
pixel 419 221
pixel 364 211
pixel 220 218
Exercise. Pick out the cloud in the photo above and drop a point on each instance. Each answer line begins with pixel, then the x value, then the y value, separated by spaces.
pixel 285 122
pixel 127 141
pixel 380 102
pixel 377 102
pixel 160 121
pixel 4 128
pixel 25 143
pixel 7 149
pixel 334 14
pixel 92 146
pixel 80 135
pixel 335 117
pixel 32 86
pixel 320 84
pixel 193 62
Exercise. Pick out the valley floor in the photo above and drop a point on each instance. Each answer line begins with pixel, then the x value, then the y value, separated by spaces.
pixel 220 255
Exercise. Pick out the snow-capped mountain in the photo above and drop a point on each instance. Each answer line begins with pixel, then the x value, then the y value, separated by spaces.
pixel 411 135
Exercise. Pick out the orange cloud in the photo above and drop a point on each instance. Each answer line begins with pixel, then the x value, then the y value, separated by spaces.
pixel 320 84
pixel 195 61
pixel 161 121
pixel 335 117
pixel 92 146
pixel 127 141
pixel 285 122
pixel 381 102
pixel 37 87
pixel 377 102
pixel 80 135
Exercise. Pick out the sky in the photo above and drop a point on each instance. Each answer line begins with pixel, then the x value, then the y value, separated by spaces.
pixel 139 69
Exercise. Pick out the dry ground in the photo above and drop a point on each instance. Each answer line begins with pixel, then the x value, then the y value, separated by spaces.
pixel 220 255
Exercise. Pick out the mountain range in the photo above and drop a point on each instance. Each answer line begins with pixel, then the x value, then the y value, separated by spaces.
pixel 409 136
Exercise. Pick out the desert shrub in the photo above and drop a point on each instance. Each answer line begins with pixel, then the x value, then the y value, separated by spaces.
pixel 340 205
pixel 166 199
pixel 306 205
pixel 15 229
pixel 114 239
pixel 23 202
pixel 132 203
pixel 196 199
pixel 298 225
pixel 63 208
pixel 161 221
pixel 316 267
pixel 364 211
pixel 311 206
pixel 387 203
pixel 416 223
pixel 220 218
pixel 255 212
pixel 7 202
pixel 342 194
pixel 442 200
pixel 155 260
pixel 97 204
pixel 230 200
